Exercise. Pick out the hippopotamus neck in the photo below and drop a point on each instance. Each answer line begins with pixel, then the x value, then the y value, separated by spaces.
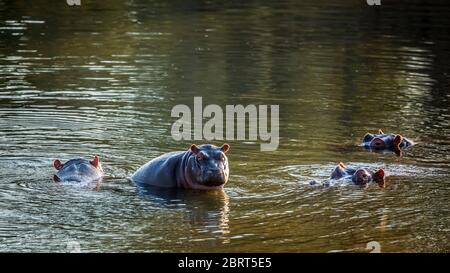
pixel 180 173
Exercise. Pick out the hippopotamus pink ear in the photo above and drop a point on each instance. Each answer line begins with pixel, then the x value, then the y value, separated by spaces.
pixel 96 161
pixel 380 132
pixel 225 148
pixel 398 139
pixel 378 177
pixel 57 164
pixel 194 149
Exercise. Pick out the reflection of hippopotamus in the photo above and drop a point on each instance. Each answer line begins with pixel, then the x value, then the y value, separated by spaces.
pixel 78 170
pixel 201 167
pixel 202 207
pixel 386 142
pixel 358 176
pixel 206 212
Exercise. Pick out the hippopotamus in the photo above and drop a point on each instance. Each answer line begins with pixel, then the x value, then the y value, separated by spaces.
pixel 202 167
pixel 78 170
pixel 358 176
pixel 386 142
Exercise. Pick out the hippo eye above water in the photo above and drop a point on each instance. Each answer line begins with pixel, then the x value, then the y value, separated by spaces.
pixel 200 156
pixel 378 143
pixel 222 157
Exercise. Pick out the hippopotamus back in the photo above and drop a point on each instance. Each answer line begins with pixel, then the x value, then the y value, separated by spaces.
pixel 161 171
pixel 201 167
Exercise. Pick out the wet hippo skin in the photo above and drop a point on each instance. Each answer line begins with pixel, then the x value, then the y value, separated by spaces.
pixel 78 170
pixel 386 142
pixel 201 167
pixel 359 176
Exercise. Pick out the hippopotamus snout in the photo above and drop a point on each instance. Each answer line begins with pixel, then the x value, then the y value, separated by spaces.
pixel 214 173
pixel 214 177
pixel 361 177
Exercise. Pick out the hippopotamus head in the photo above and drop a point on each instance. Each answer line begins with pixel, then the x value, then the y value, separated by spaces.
pixel 382 141
pixel 207 166
pixel 359 176
pixel 78 170
pixel 364 176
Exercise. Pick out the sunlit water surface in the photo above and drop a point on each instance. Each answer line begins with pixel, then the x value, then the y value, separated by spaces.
pixel 102 79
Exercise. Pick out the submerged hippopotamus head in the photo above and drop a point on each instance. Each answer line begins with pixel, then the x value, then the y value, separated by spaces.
pixel 386 142
pixel 207 165
pixel 364 176
pixel 78 170
pixel 359 176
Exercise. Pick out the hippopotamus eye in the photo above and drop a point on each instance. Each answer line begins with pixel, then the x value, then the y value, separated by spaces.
pixel 377 143
pixel 200 156
pixel 222 157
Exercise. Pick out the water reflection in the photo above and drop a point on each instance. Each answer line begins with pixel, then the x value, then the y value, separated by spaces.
pixel 207 212
pixel 102 79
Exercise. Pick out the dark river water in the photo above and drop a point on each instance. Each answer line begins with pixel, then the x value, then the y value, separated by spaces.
pixel 102 78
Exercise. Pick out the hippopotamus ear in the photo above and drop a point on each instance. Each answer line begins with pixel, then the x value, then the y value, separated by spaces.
pixel 57 164
pixel 225 148
pixel 378 177
pixel 398 140
pixel 368 137
pixel 380 132
pixel 338 171
pixel 194 149
pixel 96 161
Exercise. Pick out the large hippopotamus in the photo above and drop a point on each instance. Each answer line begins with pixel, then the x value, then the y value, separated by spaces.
pixel 201 167
pixel 386 142
pixel 358 176
pixel 78 170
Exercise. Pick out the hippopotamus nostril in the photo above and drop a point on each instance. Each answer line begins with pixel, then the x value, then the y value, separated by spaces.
pixel 213 171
